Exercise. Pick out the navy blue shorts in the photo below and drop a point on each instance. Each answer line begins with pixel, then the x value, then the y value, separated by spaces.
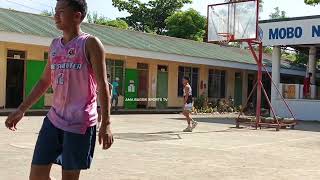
pixel 71 151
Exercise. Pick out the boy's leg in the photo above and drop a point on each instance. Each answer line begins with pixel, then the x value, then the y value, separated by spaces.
pixel 185 113
pixel 70 175
pixel 116 103
pixel 191 123
pixel 188 128
pixel 112 99
pixel 45 153
pixel 77 152
pixel 40 172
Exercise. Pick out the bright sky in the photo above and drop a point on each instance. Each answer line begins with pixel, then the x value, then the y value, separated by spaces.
pixel 293 8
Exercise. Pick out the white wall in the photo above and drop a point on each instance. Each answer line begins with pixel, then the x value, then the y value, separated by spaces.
pixel 307 110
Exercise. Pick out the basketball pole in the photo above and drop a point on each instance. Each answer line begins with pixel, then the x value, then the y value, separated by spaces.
pixel 258 59
pixel 256 47
pixel 259 85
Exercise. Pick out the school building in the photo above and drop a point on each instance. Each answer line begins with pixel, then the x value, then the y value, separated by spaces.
pixel 150 67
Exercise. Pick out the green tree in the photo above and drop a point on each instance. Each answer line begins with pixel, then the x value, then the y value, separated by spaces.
pixel 268 50
pixel 277 14
pixel 301 58
pixel 261 5
pixel 47 13
pixel 118 23
pixel 149 16
pixel 93 18
pixel 188 25
pixel 292 56
pixel 312 2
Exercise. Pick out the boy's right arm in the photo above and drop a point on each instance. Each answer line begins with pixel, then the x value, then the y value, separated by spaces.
pixel 41 87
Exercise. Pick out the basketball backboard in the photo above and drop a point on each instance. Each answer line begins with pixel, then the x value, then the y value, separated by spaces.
pixel 233 21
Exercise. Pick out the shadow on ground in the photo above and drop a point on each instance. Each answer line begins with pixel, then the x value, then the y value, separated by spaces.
pixel 160 136
pixel 312 126
pixel 213 120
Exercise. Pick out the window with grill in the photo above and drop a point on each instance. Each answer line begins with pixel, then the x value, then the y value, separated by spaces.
pixel 116 70
pixel 193 74
pixel 216 84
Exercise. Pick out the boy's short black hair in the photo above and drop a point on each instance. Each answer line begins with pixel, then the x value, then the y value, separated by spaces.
pixel 186 78
pixel 79 6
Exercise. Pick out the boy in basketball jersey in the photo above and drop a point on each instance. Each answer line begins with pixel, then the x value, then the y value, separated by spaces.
pixel 76 68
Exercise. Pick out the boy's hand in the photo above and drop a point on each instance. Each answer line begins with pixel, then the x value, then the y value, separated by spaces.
pixel 13 119
pixel 105 136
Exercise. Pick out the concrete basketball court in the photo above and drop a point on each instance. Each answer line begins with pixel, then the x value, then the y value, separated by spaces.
pixel 152 147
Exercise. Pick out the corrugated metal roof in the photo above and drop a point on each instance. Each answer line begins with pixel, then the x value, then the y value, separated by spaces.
pixel 43 26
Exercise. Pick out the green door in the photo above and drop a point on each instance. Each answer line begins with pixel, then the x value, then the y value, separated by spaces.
pixel 131 87
pixel 162 89
pixel 34 72
pixel 238 90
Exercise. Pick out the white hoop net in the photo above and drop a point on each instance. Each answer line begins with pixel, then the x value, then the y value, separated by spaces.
pixel 225 38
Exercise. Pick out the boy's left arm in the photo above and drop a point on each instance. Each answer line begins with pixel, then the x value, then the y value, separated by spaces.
pixel 96 55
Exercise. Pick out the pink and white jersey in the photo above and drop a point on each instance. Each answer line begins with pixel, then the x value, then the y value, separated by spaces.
pixel 74 106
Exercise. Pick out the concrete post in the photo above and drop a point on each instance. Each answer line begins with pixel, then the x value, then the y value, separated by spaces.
pixel 152 93
pixel 276 57
pixel 3 75
pixel 312 69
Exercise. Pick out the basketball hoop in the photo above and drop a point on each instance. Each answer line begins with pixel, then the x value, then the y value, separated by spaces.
pixel 235 20
pixel 225 38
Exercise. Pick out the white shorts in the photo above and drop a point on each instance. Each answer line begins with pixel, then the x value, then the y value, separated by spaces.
pixel 188 107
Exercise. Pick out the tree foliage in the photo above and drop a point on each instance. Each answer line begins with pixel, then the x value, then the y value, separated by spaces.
pixel 261 2
pixel 277 14
pixel 47 13
pixel 292 56
pixel 149 16
pixel 118 23
pixel 188 24
pixel 312 2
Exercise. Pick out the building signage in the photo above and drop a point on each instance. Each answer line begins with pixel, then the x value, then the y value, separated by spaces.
pixel 291 32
